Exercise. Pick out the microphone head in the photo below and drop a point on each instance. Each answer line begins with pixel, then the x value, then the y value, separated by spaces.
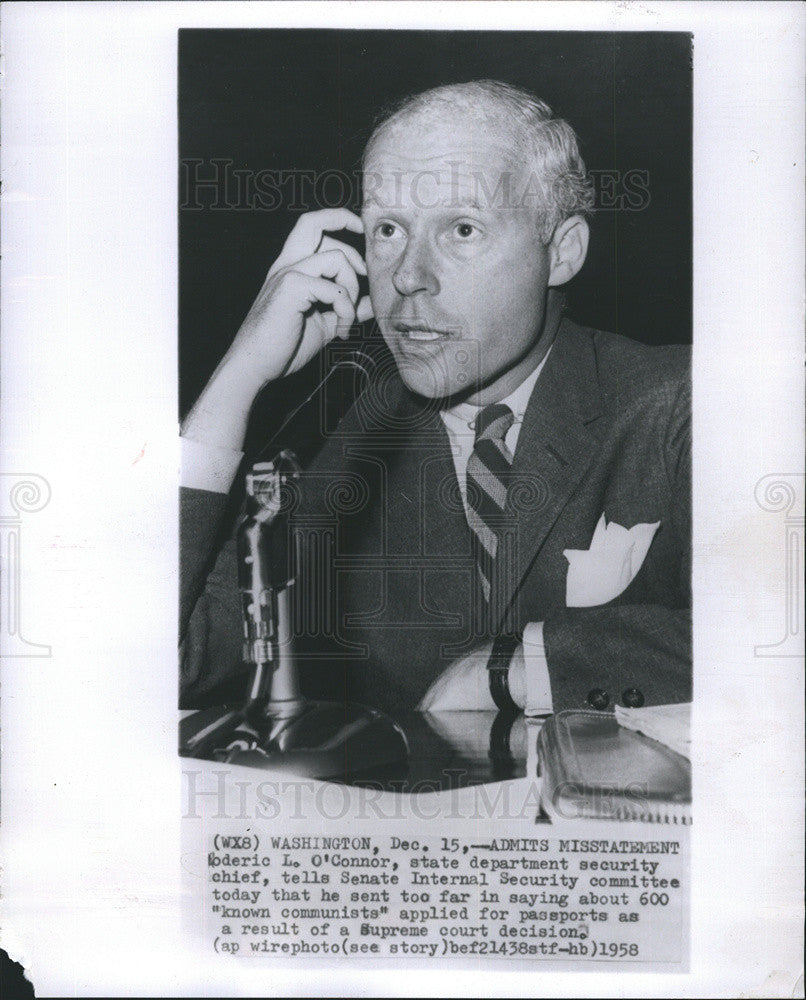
pixel 306 428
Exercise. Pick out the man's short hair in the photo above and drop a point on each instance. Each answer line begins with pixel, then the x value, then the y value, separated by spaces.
pixel 548 143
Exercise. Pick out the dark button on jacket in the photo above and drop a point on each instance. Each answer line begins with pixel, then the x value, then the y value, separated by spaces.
pixel 632 698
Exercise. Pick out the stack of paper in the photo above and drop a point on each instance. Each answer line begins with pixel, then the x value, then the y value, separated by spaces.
pixel 668 724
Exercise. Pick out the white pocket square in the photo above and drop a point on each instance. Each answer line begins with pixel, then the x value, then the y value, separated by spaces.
pixel 607 568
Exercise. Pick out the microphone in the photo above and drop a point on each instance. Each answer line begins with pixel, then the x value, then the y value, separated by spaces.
pixel 277 728
pixel 306 428
pixel 265 560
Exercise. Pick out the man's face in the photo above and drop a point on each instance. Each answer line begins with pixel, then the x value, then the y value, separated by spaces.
pixel 457 273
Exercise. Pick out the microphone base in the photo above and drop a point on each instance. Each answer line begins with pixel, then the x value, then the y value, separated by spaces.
pixel 326 741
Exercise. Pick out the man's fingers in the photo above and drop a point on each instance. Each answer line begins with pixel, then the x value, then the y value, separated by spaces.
pixel 427 701
pixel 336 327
pixel 364 310
pixel 355 258
pixel 328 218
pixel 331 264
pixel 306 236
pixel 462 686
pixel 335 295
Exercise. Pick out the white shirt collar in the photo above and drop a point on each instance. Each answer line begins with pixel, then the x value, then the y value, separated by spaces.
pixel 517 401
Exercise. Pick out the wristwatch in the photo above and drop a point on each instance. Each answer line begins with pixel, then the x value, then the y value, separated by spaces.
pixel 503 649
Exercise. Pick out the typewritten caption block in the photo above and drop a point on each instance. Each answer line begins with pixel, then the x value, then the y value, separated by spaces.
pixel 529 897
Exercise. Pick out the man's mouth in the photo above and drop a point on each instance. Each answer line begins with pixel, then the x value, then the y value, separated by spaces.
pixel 420 332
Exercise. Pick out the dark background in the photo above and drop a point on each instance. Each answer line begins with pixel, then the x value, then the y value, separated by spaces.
pixel 285 99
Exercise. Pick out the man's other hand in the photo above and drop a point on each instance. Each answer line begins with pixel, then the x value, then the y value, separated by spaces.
pixel 465 685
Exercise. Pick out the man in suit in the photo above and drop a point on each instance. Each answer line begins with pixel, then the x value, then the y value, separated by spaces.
pixel 503 517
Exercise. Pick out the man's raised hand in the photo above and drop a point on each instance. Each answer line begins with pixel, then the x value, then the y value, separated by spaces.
pixel 310 296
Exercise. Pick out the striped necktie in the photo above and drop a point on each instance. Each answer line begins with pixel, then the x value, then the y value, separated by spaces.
pixel 487 477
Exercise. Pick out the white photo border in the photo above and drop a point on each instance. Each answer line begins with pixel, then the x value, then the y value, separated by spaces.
pixel 90 777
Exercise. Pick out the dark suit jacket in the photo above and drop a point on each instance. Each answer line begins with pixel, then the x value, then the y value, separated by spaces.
pixel 386 569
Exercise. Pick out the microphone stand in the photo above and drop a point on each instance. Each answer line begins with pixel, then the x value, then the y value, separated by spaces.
pixel 277 728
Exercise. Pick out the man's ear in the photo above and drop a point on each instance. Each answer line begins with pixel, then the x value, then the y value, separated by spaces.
pixel 567 250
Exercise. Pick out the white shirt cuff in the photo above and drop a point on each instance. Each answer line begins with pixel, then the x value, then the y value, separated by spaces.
pixel 208 467
pixel 538 686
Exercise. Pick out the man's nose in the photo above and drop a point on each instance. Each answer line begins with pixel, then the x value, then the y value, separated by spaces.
pixel 415 270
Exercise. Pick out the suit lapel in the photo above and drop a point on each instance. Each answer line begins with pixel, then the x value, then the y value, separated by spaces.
pixel 556 446
pixel 559 438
